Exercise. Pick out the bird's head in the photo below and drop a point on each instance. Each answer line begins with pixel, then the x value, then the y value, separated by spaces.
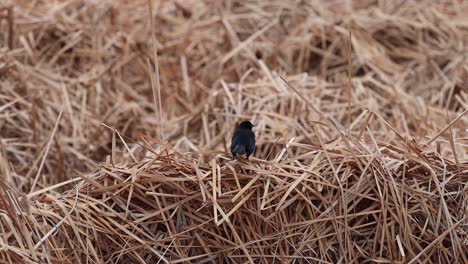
pixel 246 125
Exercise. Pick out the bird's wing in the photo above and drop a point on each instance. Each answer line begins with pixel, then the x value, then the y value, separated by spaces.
pixel 251 142
pixel 239 149
pixel 235 140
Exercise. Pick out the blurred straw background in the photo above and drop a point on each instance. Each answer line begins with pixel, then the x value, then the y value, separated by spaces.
pixel 114 144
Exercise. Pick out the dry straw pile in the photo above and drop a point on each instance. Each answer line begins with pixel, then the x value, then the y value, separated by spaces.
pixel 114 144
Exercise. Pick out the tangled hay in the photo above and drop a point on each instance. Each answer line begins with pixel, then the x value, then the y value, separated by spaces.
pixel 343 204
pixel 360 113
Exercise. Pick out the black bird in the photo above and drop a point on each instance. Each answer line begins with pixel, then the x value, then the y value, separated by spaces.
pixel 243 140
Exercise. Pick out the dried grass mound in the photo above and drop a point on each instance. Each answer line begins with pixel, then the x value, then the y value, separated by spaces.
pixel 340 204
pixel 360 110
pixel 90 57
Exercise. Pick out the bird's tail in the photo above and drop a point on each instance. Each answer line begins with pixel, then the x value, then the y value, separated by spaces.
pixel 239 149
